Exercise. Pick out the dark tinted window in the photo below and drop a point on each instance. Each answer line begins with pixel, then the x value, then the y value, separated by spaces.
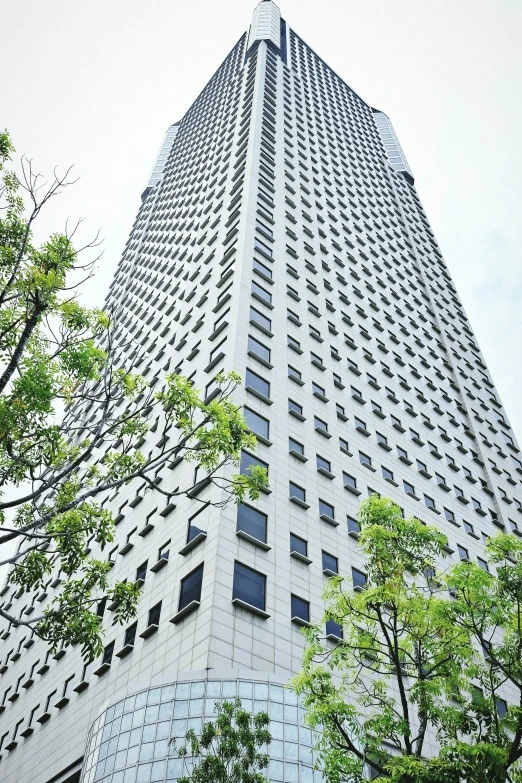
pixel 191 588
pixel 251 521
pixel 249 586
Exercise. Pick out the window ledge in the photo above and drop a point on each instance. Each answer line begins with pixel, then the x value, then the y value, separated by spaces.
pixel 425 473
pixel 295 379
pixel 261 438
pixel 384 446
pixel 192 544
pixel 149 630
pixel 250 608
pixel 326 473
pixel 44 717
pixel 334 638
pixel 329 572
pixel 300 622
pixel 125 651
pixel 322 432
pixel 353 490
pixel 146 530
pixel 259 359
pixel 299 502
pixel 298 455
pixel 298 556
pixel 368 467
pixel 329 519
pixel 62 702
pixel 188 609
pixel 259 395
pixel 126 548
pixel 102 669
pixel 297 415
pixel 363 431
pixel 253 540
pixel 82 686
pixel 321 397
pixel 391 481
pixel 162 562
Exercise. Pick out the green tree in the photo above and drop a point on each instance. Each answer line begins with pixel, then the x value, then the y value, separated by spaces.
pixel 73 419
pixel 417 688
pixel 229 748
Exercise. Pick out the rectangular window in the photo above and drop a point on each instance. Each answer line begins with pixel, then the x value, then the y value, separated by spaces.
pixel 358 579
pixel 323 463
pixel 257 383
pixel 387 474
pixel 107 653
pixel 300 609
pixel 408 488
pixel 252 522
pixel 295 491
pixel 381 438
pixel 294 445
pixel 262 247
pixel 258 350
pixel 264 270
pixel 364 459
pixel 190 588
pixel 298 545
pixel 330 563
pixel 333 630
pixel 248 461
pixel 463 552
pixel 430 503
pixel 260 293
pixel 319 424
pixel 258 424
pixel 353 526
pixel 249 586
pixel 154 615
pixel 260 320
pixel 293 373
pixel 326 509
pixel 349 481
pixel 294 406
pixel 130 635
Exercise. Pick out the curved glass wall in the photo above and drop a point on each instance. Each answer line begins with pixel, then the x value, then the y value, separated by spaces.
pixel 129 742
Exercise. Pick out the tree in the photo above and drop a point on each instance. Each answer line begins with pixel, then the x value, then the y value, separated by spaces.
pixel 228 750
pixel 417 688
pixel 73 419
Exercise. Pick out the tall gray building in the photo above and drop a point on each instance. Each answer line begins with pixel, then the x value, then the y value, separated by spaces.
pixel 280 235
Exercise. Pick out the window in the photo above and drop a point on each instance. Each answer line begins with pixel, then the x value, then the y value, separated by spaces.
pixel 501 706
pixel 108 652
pixel 293 343
pixel 260 320
pixel 130 635
pixel 353 526
pixel 298 545
pixel 430 503
pixel 359 424
pixel 154 615
pixel 253 381
pixel 257 349
pixel 450 516
pixel 262 269
pixel 323 463
pixel 258 424
pixel 195 521
pixel 319 424
pixel 483 564
pixel 164 551
pixel 333 630
pixel 408 488
pixel 295 491
pixel 262 247
pixel 252 522
pixel 300 609
pixel 249 586
pixel 248 461
pixel 358 579
pixel 326 509
pixel 364 459
pixel 293 373
pixel 295 407
pixel 344 445
pixel 463 553
pixel 381 438
pixel 190 588
pixel 317 390
pixel 295 446
pixel 387 474
pixel 349 481
pixel 330 563
pixel 260 293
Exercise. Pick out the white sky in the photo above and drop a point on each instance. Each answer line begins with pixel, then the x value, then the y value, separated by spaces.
pixel 98 83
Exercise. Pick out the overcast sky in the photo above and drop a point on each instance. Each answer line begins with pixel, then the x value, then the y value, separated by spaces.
pixel 98 83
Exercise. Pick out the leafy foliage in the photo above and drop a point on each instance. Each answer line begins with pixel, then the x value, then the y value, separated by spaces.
pixel 229 748
pixel 416 690
pixel 73 421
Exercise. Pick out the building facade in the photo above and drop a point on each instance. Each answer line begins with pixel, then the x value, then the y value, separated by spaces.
pixel 280 235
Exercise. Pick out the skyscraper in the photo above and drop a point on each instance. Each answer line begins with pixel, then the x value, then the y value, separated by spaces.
pixel 280 235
